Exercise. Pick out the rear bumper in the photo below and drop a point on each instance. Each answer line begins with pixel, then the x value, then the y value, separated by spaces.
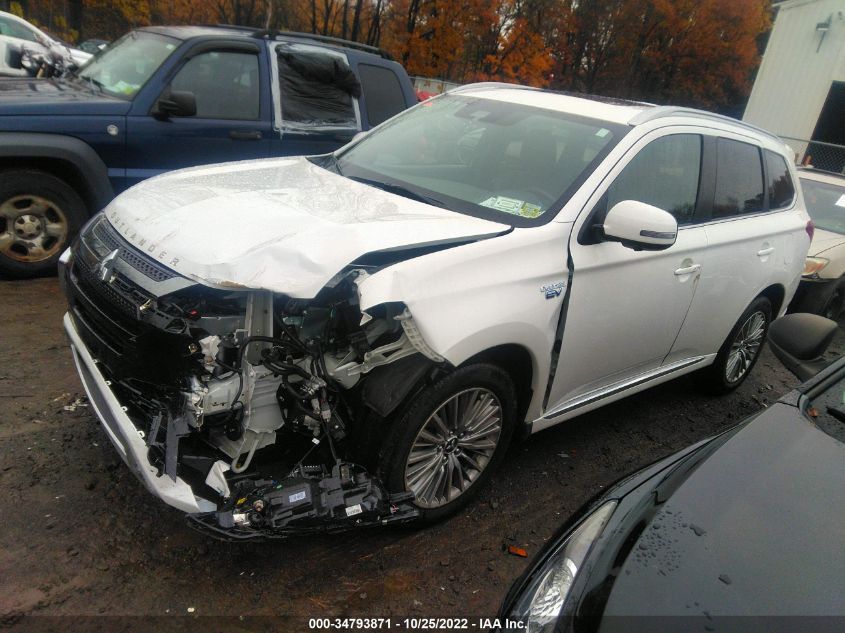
pixel 123 434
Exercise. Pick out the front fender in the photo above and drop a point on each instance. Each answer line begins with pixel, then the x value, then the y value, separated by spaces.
pixel 77 154
pixel 471 298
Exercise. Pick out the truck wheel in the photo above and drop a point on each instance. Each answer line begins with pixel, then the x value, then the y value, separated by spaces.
pixel 451 439
pixel 39 215
pixel 740 351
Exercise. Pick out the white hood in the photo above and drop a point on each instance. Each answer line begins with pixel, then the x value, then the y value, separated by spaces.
pixel 284 225
pixel 824 240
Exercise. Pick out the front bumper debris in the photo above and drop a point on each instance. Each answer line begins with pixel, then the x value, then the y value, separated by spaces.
pixel 308 501
pixel 174 491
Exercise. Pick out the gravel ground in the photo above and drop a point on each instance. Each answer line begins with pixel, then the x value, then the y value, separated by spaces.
pixel 81 537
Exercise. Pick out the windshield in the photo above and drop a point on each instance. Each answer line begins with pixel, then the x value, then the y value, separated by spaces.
pixel 825 204
pixel 124 67
pixel 502 161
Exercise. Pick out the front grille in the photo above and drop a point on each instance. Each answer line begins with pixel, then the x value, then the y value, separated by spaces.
pixel 147 266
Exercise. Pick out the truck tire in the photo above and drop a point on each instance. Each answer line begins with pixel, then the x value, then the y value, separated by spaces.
pixel 39 215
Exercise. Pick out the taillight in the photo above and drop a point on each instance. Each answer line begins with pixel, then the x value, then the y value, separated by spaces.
pixel 811 229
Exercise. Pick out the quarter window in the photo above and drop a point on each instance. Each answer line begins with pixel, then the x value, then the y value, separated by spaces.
pixel 665 174
pixel 781 189
pixel 224 84
pixel 382 92
pixel 739 179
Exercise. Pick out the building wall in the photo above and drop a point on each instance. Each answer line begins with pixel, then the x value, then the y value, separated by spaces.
pixel 795 74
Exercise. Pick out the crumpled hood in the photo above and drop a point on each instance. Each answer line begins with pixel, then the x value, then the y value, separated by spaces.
pixel 284 225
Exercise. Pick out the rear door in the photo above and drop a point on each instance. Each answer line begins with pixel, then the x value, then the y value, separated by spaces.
pixel 752 228
pixel 626 307
pixel 232 121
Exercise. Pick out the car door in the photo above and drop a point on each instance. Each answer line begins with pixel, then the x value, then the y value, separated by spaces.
pixel 752 234
pixel 317 109
pixel 626 306
pixel 232 119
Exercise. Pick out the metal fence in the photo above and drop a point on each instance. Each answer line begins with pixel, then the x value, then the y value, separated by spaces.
pixel 827 156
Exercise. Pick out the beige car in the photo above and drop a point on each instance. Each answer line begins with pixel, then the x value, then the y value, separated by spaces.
pixel 822 288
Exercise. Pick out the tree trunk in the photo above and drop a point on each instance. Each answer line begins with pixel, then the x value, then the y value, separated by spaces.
pixel 75 17
pixel 356 20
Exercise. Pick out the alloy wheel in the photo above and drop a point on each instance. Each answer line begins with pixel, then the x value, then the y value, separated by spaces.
pixel 453 447
pixel 745 347
pixel 32 228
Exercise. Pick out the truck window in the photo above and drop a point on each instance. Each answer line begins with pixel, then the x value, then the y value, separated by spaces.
pixel 224 83
pixel 317 88
pixel 382 92
pixel 739 179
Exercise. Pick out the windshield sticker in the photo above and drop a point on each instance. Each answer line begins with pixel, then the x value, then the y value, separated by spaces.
pixel 602 133
pixel 512 206
pixel 841 201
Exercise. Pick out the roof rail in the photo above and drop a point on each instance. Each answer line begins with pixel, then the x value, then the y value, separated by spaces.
pixel 273 34
pixel 660 112
pixel 489 85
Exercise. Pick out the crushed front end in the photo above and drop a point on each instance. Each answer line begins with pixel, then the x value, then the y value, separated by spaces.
pixel 237 406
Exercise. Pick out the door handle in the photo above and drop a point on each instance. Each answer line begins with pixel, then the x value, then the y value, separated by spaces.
pixel 245 135
pixel 766 251
pixel 687 270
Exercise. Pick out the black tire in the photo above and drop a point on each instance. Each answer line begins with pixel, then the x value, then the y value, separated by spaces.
pixel 833 307
pixel 477 381
pixel 39 216
pixel 715 379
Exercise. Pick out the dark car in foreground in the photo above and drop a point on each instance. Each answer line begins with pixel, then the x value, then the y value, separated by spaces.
pixel 164 98
pixel 742 532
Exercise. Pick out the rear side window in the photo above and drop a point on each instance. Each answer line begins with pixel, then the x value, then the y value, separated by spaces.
pixel 781 189
pixel 317 88
pixel 382 92
pixel 664 174
pixel 739 179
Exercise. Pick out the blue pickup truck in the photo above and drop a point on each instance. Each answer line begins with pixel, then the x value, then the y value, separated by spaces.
pixel 163 98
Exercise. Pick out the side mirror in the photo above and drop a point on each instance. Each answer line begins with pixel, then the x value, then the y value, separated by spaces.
pixel 176 103
pixel 799 340
pixel 640 226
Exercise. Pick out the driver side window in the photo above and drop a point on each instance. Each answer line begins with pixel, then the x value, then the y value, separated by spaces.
pixel 664 174
pixel 224 83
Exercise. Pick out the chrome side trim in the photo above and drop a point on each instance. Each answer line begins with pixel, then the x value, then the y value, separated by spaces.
pixel 611 390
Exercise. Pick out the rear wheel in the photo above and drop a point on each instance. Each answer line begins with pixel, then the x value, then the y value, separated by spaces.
pixel 39 215
pixel 740 351
pixel 451 439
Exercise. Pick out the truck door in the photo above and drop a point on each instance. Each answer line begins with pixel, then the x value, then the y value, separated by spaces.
pixel 232 119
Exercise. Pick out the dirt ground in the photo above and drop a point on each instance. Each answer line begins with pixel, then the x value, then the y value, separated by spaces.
pixel 81 537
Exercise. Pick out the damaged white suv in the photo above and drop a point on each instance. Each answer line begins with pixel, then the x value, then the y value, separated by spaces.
pixel 296 344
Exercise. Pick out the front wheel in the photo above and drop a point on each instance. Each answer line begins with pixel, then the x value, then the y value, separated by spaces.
pixel 740 351
pixel 39 215
pixel 451 439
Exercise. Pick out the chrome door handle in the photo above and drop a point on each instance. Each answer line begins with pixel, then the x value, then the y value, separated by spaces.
pixel 766 251
pixel 687 270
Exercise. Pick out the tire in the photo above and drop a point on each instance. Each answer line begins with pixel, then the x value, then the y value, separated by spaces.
pixel 833 307
pixel 480 389
pixel 743 346
pixel 39 215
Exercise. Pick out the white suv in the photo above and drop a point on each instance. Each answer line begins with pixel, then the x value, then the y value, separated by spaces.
pixel 349 339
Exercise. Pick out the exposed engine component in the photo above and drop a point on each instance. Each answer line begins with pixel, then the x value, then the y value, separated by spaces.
pixel 248 396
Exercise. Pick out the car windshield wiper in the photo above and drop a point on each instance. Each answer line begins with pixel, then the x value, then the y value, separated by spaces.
pixel 399 190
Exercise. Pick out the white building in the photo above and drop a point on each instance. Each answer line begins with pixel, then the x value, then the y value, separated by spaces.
pixel 799 92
